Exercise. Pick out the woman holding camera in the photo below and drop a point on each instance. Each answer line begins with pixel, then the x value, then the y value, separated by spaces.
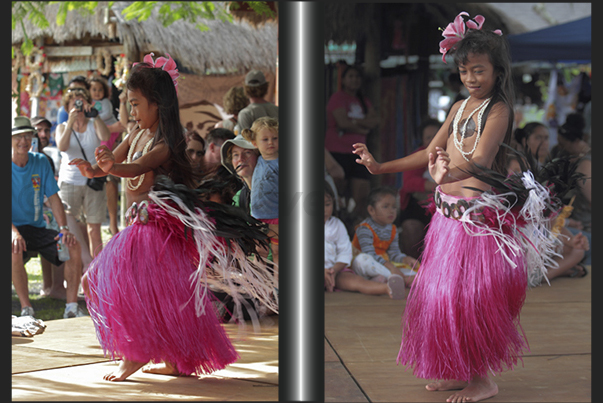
pixel 78 138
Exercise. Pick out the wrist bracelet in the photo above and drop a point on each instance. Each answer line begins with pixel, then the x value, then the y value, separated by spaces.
pixel 64 227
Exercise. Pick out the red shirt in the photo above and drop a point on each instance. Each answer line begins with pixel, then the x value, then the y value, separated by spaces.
pixel 333 141
pixel 412 181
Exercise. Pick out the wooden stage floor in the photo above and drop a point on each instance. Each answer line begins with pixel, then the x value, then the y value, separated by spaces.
pixel 66 363
pixel 362 339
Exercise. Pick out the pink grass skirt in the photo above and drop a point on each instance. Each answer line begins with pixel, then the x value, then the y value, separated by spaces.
pixel 462 313
pixel 141 299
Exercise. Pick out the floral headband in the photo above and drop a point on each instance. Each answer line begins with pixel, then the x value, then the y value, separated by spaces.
pixel 168 65
pixel 455 31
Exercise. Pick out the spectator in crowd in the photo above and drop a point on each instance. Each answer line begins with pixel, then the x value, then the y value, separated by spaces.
pixel 77 138
pixel 52 276
pixel 75 82
pixel 265 184
pixel 376 243
pixel 417 187
pixel 350 117
pixel 32 180
pixel 213 142
pixel 256 88
pixel 338 256
pixel 195 149
pixel 43 127
pixel 574 247
pixel 534 137
pixel 234 101
pixel 240 157
pixel 571 140
pixel 100 92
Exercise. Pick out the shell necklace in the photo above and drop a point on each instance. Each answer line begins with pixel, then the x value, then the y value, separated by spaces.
pixel 133 156
pixel 458 140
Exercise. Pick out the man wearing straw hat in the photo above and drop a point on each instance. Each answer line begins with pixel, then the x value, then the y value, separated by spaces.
pixel 32 180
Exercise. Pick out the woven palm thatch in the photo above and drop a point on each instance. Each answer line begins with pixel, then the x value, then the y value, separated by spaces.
pixel 225 47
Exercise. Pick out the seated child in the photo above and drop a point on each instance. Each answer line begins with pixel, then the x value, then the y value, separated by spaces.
pixel 376 247
pixel 338 255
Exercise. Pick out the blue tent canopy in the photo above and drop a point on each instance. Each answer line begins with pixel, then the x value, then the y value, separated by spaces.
pixel 564 42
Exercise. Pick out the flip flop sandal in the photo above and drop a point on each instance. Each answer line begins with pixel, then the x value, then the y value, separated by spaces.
pixel 397 288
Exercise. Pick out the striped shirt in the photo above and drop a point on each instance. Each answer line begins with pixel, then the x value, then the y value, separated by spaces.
pixel 384 232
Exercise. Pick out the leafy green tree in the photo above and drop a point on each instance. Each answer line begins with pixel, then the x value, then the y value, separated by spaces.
pixel 168 13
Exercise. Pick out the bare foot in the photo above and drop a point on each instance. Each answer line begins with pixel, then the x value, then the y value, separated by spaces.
pixel 162 368
pixel 478 389
pixel 446 385
pixel 126 368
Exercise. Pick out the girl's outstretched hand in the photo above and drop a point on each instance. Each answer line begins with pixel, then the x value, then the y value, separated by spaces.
pixel 366 158
pixel 84 166
pixel 104 158
pixel 438 166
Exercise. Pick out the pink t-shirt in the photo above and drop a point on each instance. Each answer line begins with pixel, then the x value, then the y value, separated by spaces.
pixel 334 142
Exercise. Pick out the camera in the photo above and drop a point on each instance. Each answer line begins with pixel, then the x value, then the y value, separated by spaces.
pixel 79 105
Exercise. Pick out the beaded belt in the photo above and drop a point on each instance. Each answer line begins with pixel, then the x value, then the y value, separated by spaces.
pixel 138 212
pixel 450 206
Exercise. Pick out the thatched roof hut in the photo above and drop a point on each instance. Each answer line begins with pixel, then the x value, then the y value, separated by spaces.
pixel 224 48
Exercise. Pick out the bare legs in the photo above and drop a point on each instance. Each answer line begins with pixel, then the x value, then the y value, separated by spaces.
pixel 479 388
pixel 352 282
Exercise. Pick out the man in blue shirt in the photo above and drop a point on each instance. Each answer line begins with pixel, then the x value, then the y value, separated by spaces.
pixel 32 179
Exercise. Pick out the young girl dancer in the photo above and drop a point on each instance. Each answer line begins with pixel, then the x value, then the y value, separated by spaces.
pixel 147 291
pixel 461 320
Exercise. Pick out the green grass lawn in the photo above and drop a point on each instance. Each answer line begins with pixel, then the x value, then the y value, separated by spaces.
pixel 45 308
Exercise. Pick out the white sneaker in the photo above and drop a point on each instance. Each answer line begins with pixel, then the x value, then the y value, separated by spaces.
pixel 73 313
pixel 27 311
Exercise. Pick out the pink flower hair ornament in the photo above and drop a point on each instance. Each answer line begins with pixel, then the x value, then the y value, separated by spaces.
pixel 168 65
pixel 455 31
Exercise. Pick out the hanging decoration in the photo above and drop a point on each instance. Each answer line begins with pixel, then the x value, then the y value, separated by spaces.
pixel 18 61
pixel 36 59
pixel 121 71
pixel 35 90
pixel 34 62
pixel 103 62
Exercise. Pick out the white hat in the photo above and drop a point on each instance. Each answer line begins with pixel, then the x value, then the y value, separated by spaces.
pixel 21 124
pixel 237 141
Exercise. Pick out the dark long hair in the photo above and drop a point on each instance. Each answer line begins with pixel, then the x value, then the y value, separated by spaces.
pixel 497 48
pixel 525 132
pixel 157 87
pixel 359 93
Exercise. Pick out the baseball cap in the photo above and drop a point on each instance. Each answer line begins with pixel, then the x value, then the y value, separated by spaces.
pixel 40 119
pixel 255 78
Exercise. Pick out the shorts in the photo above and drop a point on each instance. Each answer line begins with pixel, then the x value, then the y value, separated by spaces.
pixel 351 168
pixel 83 199
pixel 40 240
